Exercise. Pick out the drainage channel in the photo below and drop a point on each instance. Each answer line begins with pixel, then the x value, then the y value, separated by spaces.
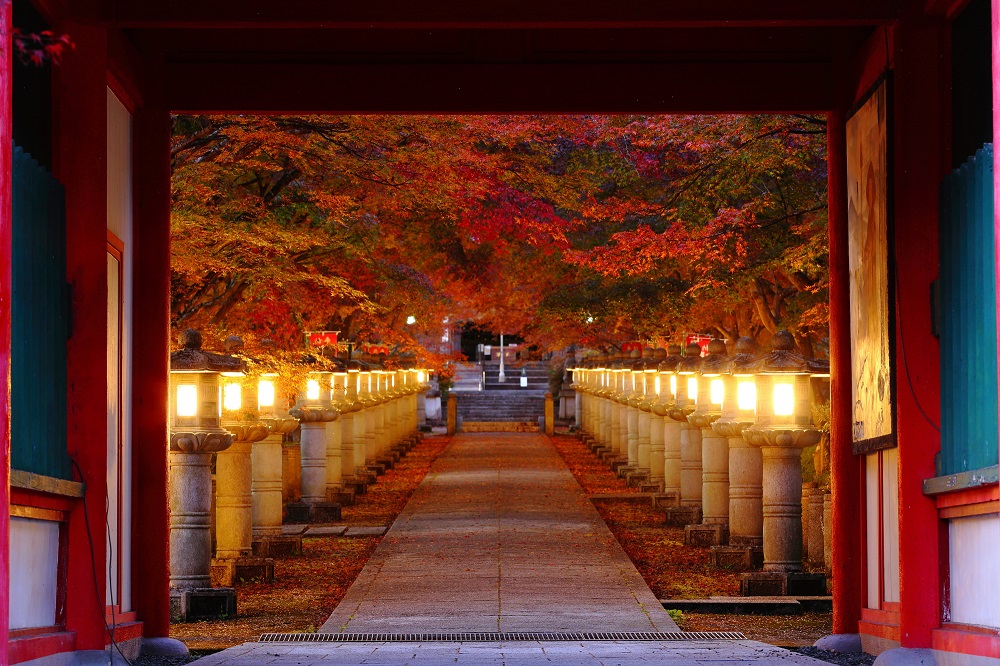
pixel 504 637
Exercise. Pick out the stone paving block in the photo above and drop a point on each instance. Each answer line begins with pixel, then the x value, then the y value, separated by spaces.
pixel 364 531
pixel 293 529
pixel 325 530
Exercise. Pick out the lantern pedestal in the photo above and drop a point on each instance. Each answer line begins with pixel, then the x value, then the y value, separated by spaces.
pixel 737 558
pixel 314 507
pixel 656 450
pixel 682 516
pixel 781 449
pixel 190 539
pixel 672 452
pixel 266 492
pixel 714 473
pixel 705 534
pixel 691 484
pixel 745 551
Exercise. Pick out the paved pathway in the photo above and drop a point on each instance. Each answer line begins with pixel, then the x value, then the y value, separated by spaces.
pixel 500 538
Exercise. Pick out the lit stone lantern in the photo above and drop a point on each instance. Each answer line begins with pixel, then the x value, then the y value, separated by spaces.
pixel 643 372
pixel 233 505
pixel 342 489
pixel 423 385
pixel 687 393
pixel 357 380
pixel 195 434
pixel 714 450
pixel 266 464
pixel 746 517
pixel 379 395
pixel 369 402
pixel 315 410
pixel 632 396
pixel 675 413
pixel 783 428
pixel 657 412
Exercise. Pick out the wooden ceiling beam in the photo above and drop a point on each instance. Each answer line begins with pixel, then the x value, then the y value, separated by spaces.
pixel 512 14
pixel 778 87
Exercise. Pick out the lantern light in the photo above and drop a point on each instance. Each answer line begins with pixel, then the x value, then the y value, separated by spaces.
pixel 717 390
pixel 312 390
pixel 187 400
pixel 692 387
pixel 265 393
pixel 232 396
pixel 746 395
pixel 784 399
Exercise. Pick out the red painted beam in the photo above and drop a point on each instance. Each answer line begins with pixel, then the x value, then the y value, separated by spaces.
pixel 717 87
pixel 448 14
pixel 845 466
pixel 6 143
pixel 79 149
pixel 150 541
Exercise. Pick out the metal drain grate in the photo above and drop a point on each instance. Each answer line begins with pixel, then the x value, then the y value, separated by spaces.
pixel 506 637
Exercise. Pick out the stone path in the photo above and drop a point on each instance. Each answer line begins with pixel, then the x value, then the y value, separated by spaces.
pixel 499 537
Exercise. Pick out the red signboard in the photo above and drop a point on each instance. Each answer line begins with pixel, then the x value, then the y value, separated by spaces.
pixel 322 338
pixel 631 346
pixel 373 349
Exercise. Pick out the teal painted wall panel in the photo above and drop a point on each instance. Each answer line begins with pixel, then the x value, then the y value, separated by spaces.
pixel 40 321
pixel 969 430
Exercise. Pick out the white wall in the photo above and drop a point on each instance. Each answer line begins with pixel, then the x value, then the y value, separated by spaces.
pixel 974 544
pixel 119 200
pixel 34 566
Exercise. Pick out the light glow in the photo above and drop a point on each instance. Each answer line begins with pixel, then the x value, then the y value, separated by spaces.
pixel 232 397
pixel 187 400
pixel 746 395
pixel 411 320
pixel 656 384
pixel 784 399
pixel 692 388
pixel 717 390
pixel 420 376
pixel 265 393
pixel 312 390
pixel 673 386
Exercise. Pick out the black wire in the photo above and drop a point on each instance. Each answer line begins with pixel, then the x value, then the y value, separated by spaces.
pixel 902 348
pixel 93 568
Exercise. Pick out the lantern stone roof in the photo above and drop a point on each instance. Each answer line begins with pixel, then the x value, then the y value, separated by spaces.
pixel 743 360
pixel 691 360
pixel 783 358
pixel 673 359
pixel 191 357
pixel 716 362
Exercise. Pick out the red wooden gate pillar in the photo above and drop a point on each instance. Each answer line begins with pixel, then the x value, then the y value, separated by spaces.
pixel 6 143
pixel 845 466
pixel 150 567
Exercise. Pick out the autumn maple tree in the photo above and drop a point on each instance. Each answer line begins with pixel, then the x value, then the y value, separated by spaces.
pixel 563 229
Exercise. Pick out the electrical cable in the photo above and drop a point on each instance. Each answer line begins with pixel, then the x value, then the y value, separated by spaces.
pixel 902 349
pixel 93 569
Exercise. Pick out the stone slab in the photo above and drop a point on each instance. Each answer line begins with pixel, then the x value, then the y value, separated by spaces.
pixel 776 583
pixel 737 558
pixel 278 546
pixel 681 516
pixel 326 530
pixel 705 535
pixel 293 529
pixel 363 531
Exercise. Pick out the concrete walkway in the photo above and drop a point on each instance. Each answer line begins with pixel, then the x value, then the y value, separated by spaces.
pixel 499 537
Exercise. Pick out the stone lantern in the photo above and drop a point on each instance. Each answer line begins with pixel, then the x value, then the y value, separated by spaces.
pixel 423 384
pixel 195 407
pixel 657 410
pixel 233 486
pixel 746 517
pixel 783 428
pixel 714 527
pixel 690 437
pixel 314 409
pixel 666 406
pixel 266 468
pixel 639 404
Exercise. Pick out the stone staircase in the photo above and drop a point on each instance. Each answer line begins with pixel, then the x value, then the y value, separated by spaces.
pixel 537 374
pixel 522 406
